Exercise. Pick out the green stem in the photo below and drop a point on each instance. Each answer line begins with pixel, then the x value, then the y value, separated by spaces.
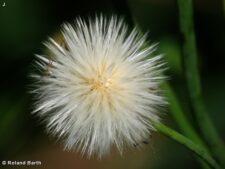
pixel 179 116
pixel 193 81
pixel 198 150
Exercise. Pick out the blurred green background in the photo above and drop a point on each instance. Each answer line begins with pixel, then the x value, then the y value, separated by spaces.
pixel 25 24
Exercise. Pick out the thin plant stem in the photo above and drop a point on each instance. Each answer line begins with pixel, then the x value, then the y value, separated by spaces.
pixel 189 52
pixel 179 116
pixel 190 145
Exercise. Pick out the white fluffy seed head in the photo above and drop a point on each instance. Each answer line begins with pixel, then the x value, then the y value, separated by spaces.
pixel 99 89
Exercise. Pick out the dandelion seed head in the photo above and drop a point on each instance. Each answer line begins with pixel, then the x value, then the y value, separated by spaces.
pixel 102 89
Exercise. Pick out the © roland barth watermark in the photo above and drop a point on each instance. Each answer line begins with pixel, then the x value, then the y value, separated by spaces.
pixel 21 162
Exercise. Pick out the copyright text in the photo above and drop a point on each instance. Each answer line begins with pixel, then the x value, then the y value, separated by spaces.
pixel 21 163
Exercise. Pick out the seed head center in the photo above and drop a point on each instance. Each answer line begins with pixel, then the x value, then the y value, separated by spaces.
pixel 101 83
